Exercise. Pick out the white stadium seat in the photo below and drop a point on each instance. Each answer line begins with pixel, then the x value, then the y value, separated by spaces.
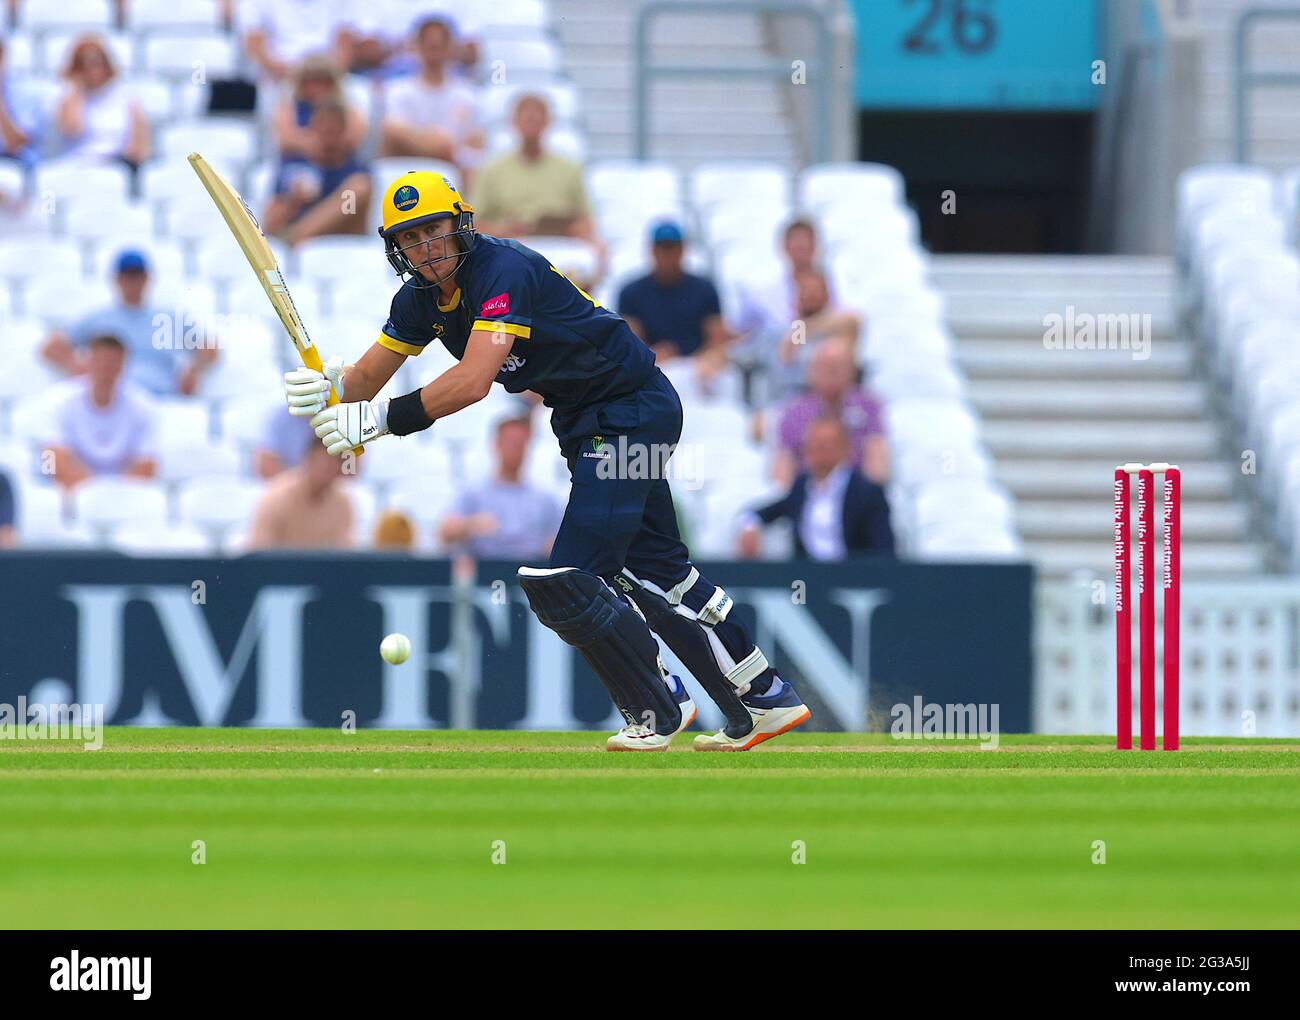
pixel 36 15
pixel 103 503
pixel 512 17
pixel 22 372
pixel 216 505
pixel 40 509
pixel 181 459
pixel 184 56
pixel 54 303
pixel 146 539
pixel 156 96
pixel 740 183
pixel 242 418
pixel 70 179
pixel 365 508
pixel 13 180
pixel 107 224
pixel 164 180
pixel 522 57
pixel 329 258
pixel 629 195
pixel 153 15
pixel 851 185
pixel 20 53
pixel 745 228
pixel 230 141
pixel 259 183
pixel 184 419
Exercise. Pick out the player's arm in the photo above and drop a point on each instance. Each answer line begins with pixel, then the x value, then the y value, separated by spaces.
pixel 351 424
pixel 371 373
pixel 469 380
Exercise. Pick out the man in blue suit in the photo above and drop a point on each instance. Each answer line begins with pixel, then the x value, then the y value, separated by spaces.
pixel 836 512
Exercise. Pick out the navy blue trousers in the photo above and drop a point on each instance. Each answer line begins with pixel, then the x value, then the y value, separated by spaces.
pixel 620 511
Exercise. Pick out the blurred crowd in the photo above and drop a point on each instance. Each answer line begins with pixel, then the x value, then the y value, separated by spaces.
pixel 783 350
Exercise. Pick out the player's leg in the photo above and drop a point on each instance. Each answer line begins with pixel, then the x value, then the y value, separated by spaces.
pixel 693 617
pixel 582 609
pixel 574 599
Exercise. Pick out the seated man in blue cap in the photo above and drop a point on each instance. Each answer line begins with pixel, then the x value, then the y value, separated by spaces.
pixel 168 349
pixel 676 313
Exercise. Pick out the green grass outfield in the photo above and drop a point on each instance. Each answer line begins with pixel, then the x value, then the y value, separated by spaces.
pixel 315 828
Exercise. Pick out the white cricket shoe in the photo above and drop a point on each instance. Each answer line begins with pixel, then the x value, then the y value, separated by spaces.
pixel 636 737
pixel 773 714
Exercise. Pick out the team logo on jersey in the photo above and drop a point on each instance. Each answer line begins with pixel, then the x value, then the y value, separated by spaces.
pixel 499 305
pixel 438 330
pixel 597 442
pixel 406 197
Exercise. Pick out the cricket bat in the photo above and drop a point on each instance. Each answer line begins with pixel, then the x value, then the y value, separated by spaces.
pixel 252 242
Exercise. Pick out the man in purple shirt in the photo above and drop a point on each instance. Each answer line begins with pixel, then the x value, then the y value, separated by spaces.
pixel 833 391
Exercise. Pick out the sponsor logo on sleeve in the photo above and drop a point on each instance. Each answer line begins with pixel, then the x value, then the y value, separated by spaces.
pixel 499 305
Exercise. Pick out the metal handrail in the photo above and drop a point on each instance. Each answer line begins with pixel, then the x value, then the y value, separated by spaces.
pixel 776 69
pixel 1244 78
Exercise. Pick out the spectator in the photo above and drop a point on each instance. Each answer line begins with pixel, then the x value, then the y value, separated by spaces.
pixel 834 510
pixel 95 117
pixel 816 318
pixel 833 391
pixel 105 425
pixel 278 34
pixel 394 532
pixel 677 313
pixel 305 507
pixel 328 194
pixel 378 41
pixel 532 191
pixel 20 115
pixel 772 304
pixel 155 340
pixel 286 441
pixel 8 514
pixel 505 517
pixel 315 80
pixel 432 113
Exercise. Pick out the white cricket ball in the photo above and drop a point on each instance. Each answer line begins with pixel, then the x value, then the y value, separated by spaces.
pixel 395 649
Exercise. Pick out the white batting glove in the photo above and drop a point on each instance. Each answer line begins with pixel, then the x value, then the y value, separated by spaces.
pixel 307 391
pixel 344 427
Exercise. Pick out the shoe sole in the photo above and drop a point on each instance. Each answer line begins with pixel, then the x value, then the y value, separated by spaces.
pixel 663 747
pixel 758 738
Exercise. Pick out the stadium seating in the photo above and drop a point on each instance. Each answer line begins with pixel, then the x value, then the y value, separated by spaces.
pixel 733 211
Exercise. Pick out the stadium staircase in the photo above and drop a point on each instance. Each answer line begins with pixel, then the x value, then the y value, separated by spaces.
pixel 1058 421
pixel 692 120
pixel 1275 121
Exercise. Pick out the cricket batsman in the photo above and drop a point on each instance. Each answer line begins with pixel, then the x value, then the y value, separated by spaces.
pixel 618 568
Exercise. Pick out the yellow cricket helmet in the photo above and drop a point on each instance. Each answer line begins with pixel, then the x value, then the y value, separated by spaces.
pixel 419 197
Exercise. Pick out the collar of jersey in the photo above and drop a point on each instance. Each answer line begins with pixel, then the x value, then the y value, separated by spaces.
pixel 452 305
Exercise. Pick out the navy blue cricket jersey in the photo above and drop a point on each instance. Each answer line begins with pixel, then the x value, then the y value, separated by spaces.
pixel 571 351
